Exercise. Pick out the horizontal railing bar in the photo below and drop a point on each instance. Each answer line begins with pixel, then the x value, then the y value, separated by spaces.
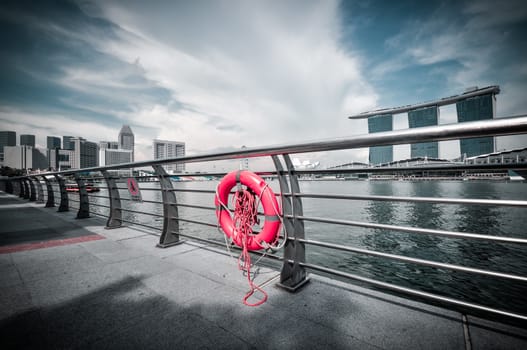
pixel 412 229
pixel 141 212
pixel 144 225
pixel 195 222
pixel 96 196
pixel 483 128
pixel 99 205
pixel 411 291
pixel 493 202
pixel 142 189
pixel 414 260
pixel 420 168
pixel 195 206
pixel 98 214
pixel 143 201
pixel 191 190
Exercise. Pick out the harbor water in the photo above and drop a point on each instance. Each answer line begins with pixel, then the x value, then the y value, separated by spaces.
pixel 499 221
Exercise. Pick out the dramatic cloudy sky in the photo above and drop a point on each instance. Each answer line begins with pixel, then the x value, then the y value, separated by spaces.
pixel 222 74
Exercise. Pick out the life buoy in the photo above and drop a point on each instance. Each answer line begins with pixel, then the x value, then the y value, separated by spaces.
pixel 271 227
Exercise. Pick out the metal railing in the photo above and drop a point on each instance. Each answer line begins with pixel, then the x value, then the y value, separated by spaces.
pixel 50 188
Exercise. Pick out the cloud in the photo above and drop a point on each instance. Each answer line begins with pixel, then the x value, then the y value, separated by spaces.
pixel 248 73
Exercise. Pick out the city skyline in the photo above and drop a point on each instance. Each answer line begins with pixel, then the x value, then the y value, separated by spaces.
pixel 220 75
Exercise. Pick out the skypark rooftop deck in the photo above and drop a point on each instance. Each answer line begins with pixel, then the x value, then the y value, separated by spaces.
pixel 69 283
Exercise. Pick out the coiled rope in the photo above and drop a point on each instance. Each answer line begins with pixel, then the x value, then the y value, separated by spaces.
pixel 245 217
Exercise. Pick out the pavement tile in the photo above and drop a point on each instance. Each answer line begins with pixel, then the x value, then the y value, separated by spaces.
pixel 23 331
pixel 485 334
pixel 181 286
pixel 9 276
pixel 14 299
pixel 59 288
pixel 109 251
pixel 144 266
pixel 175 328
pixel 46 266
pixel 101 313
pixel 148 245
pixel 382 322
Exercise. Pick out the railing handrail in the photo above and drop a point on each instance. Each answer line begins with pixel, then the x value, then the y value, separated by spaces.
pixel 484 128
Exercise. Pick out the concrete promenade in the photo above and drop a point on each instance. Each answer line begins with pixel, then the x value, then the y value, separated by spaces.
pixel 71 284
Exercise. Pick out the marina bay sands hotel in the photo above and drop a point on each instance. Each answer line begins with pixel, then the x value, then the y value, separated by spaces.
pixel 474 104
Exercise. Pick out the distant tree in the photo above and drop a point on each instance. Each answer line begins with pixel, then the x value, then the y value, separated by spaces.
pixel 7 171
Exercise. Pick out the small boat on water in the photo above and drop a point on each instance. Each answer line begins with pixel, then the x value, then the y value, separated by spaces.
pixel 73 187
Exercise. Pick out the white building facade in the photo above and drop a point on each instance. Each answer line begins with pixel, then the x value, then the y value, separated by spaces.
pixel 164 149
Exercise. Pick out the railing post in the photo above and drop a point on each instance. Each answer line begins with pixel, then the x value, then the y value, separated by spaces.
pixel 17 187
pixel 33 192
pixel 51 196
pixel 21 188
pixel 64 203
pixel 26 188
pixel 84 201
pixel 115 218
pixel 40 191
pixel 293 276
pixel 170 234
pixel 9 187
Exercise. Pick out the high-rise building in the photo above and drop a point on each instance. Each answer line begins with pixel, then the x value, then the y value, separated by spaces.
pixel 164 149
pixel 108 145
pixel 53 142
pixel 67 143
pixel 18 157
pixel 472 109
pixel 61 159
pixel 27 140
pixel 7 138
pixel 472 105
pixel 40 159
pixel 380 123
pixel 110 156
pixel 126 139
pixel 85 153
pixel 424 117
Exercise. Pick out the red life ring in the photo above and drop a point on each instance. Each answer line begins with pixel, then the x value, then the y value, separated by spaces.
pixel 257 185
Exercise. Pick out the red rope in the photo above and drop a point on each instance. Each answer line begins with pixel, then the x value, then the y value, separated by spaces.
pixel 244 218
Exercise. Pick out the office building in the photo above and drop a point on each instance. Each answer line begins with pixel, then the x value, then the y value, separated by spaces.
pixel 61 159
pixel 53 142
pixel 419 118
pixel 27 140
pixel 18 157
pixel 164 149
pixel 67 143
pixel 126 139
pixel 110 156
pixel 473 109
pixel 86 153
pixel 7 138
pixel 108 145
pixel 380 154
pixel 40 159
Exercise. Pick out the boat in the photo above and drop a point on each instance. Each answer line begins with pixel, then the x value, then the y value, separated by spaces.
pixel 73 187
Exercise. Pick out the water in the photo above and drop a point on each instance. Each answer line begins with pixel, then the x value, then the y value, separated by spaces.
pixel 502 257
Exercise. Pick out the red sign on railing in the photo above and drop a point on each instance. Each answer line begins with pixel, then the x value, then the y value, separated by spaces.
pixel 133 188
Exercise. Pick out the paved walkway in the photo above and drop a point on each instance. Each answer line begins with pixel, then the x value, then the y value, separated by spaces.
pixel 117 290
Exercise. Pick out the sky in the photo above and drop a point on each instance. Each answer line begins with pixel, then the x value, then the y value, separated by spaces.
pixel 219 75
